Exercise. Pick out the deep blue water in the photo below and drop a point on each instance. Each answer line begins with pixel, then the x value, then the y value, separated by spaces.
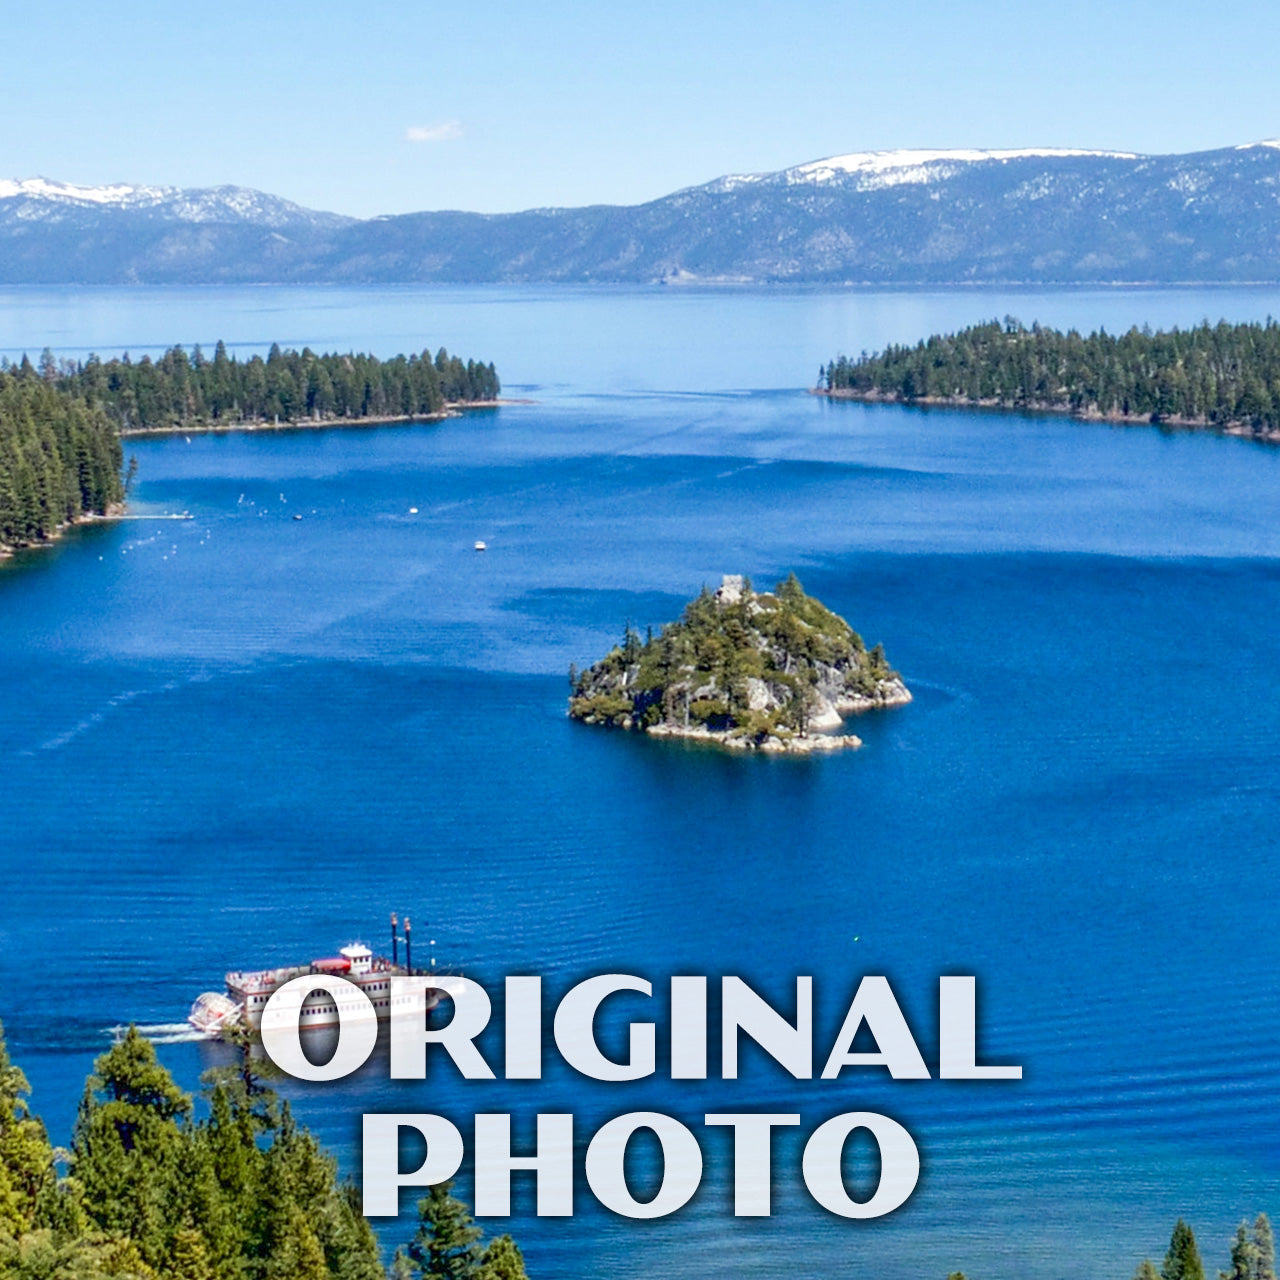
pixel 243 739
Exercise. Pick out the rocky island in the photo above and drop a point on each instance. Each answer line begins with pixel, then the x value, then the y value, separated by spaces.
pixel 752 671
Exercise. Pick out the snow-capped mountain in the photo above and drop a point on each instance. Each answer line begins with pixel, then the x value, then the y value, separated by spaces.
pixel 57 232
pixel 43 198
pixel 1039 215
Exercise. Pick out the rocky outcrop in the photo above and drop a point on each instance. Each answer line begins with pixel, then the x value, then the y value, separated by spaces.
pixel 771 671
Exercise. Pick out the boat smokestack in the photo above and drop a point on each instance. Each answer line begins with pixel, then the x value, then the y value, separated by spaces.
pixel 395 941
pixel 408 945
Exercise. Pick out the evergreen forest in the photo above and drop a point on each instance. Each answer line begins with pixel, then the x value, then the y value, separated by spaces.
pixel 60 460
pixel 151 1190
pixel 1220 376
pixel 193 391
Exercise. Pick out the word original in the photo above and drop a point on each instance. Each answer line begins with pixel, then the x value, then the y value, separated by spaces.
pixel 743 1013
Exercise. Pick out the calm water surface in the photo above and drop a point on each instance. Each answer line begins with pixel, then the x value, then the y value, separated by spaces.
pixel 243 739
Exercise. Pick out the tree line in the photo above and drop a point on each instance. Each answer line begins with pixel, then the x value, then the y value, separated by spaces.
pixel 191 390
pixel 1223 375
pixel 151 1191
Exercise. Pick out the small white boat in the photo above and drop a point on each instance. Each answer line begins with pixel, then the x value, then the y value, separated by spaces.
pixel 480 546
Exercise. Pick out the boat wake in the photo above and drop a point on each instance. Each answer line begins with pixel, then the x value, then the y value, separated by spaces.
pixel 163 1032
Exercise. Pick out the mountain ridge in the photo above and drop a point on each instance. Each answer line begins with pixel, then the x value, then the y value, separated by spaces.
pixel 902 217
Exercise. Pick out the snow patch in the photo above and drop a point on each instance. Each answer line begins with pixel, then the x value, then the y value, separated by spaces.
pixel 43 198
pixel 874 169
pixel 891 168
pixel 120 194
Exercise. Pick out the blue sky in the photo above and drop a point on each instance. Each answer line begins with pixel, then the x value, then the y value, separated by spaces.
pixel 378 107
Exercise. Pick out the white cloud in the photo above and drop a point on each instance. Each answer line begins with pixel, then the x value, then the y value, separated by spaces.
pixel 433 132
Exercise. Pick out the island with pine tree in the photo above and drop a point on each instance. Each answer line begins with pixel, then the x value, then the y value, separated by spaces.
pixel 768 671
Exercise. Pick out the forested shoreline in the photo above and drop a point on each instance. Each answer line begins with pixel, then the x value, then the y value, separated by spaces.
pixel 181 391
pixel 60 460
pixel 154 1187
pixel 61 422
pixel 1221 377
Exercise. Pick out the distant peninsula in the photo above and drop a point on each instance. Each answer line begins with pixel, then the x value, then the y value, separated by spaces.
pixel 183 391
pixel 1223 377
pixel 752 671
pixel 61 422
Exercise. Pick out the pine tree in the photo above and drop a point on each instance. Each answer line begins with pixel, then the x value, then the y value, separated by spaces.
pixel 295 1251
pixel 1146 1270
pixel 352 1248
pixel 502 1261
pixel 26 1158
pixel 189 1258
pixel 1264 1242
pixel 198 1200
pixel 309 1223
pixel 1182 1262
pixel 1244 1257
pixel 127 1146
pixel 446 1246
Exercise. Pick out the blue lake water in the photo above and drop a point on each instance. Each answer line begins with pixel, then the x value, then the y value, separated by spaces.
pixel 243 739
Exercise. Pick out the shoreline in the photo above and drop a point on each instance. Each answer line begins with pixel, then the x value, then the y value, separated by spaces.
pixel 793 744
pixel 116 511
pixel 452 409
pixel 800 744
pixel 1239 430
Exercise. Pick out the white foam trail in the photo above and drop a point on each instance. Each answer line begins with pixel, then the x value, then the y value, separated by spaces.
pixel 95 718
pixel 164 1032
